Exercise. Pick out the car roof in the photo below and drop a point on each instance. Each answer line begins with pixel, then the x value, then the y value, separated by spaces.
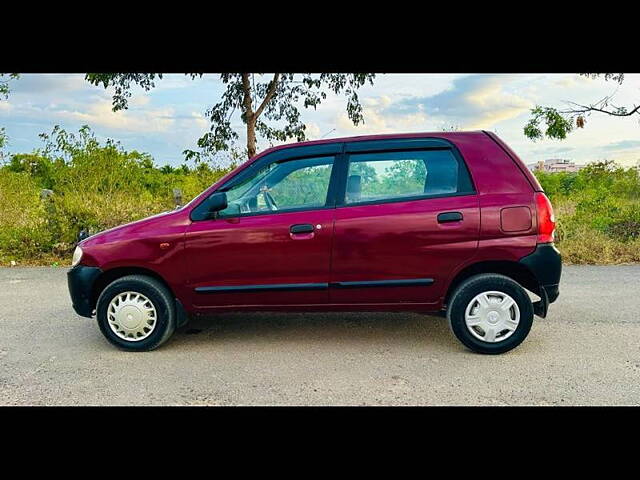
pixel 360 138
pixel 452 136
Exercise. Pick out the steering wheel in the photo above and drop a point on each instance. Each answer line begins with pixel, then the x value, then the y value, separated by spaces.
pixel 271 203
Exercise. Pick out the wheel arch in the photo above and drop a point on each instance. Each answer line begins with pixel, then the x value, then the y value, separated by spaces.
pixel 113 274
pixel 514 270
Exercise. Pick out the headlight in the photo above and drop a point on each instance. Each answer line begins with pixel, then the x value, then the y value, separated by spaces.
pixel 77 256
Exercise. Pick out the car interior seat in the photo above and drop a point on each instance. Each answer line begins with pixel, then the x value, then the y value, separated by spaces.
pixel 354 188
pixel 441 178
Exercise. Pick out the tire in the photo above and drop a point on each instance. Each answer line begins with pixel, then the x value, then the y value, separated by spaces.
pixel 150 294
pixel 470 301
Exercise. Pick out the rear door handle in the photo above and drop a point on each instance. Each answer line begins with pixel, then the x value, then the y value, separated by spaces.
pixel 301 228
pixel 449 217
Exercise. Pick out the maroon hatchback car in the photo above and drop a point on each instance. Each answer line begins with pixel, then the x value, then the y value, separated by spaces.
pixel 447 223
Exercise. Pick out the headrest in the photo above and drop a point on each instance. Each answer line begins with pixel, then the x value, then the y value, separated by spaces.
pixel 354 187
pixel 442 177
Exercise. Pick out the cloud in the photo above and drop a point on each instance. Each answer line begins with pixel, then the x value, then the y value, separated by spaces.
pixel 199 120
pixel 572 81
pixel 622 145
pixel 5 106
pixel 552 150
pixel 139 100
pixel 313 131
pixel 101 114
pixel 473 102
pixel 178 81
pixel 377 119
pixel 48 83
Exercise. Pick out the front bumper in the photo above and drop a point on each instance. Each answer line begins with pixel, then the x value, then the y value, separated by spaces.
pixel 80 280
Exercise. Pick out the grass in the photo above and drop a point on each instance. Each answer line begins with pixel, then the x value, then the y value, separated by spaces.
pixel 590 247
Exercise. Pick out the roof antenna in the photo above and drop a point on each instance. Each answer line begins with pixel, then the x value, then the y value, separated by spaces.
pixel 333 129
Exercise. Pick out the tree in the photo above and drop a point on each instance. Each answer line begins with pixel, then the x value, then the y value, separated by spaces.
pixel 4 93
pixel 4 83
pixel 267 108
pixel 559 123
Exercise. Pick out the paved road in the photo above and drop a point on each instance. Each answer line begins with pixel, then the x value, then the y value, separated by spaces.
pixel 586 352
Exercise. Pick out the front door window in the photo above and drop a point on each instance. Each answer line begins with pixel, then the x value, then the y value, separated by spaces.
pixel 300 184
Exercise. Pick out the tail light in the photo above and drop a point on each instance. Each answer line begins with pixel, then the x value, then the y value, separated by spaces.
pixel 546 220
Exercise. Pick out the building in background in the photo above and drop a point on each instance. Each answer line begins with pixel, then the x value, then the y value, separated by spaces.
pixel 555 165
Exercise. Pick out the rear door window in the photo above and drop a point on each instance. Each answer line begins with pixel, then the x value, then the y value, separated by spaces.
pixel 402 175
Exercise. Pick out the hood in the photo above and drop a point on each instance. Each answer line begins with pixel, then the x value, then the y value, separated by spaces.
pixel 132 228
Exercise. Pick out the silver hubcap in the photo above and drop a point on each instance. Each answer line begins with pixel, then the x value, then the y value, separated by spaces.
pixel 492 316
pixel 131 316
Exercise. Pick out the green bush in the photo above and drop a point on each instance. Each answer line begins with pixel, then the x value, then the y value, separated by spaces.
pixel 597 211
pixel 23 225
pixel 96 187
pixel 99 186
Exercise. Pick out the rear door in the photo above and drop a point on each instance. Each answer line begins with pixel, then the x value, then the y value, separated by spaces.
pixel 407 217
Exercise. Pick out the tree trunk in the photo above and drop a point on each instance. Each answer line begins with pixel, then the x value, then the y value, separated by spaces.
pixel 251 137
pixel 251 117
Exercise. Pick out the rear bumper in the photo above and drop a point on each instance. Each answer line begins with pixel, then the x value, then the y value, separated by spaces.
pixel 546 265
pixel 80 280
pixel 552 291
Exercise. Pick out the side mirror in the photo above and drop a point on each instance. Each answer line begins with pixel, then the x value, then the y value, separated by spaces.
pixel 209 207
pixel 216 202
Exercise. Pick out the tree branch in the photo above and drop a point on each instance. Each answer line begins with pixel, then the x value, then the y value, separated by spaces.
pixel 270 93
pixel 620 112
pixel 601 106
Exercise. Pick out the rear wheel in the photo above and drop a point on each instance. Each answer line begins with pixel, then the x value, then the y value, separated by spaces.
pixel 136 313
pixel 490 313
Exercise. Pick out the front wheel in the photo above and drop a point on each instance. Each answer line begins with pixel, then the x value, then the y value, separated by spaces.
pixel 136 313
pixel 490 313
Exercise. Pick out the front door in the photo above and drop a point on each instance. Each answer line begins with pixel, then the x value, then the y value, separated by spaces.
pixel 272 244
pixel 407 220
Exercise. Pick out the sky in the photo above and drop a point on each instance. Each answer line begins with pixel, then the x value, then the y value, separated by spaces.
pixel 170 118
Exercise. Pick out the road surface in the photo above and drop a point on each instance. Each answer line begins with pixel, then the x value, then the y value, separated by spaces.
pixel 587 352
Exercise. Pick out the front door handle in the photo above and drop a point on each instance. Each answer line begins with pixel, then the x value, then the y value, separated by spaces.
pixel 449 217
pixel 301 228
